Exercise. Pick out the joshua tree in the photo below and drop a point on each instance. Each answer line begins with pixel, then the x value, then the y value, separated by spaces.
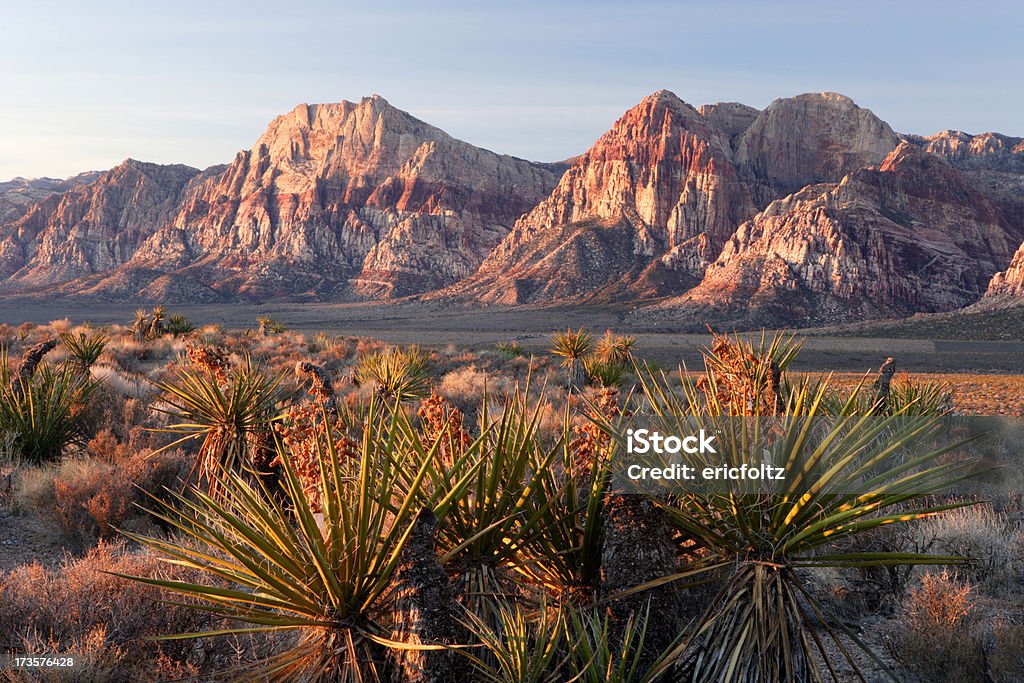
pixel 156 322
pixel 140 328
pixel 264 321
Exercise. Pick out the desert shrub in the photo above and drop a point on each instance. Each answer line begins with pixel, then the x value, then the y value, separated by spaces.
pixel 43 409
pixel 178 325
pixel 82 607
pixel 465 387
pixel 509 350
pixel 90 498
pixel 935 634
pixel 984 536
pixel 605 373
pixel 1006 661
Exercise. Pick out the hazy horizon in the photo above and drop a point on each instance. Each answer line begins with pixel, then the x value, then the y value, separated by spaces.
pixel 193 82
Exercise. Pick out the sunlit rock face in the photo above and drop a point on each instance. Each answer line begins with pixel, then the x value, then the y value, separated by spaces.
pixel 333 201
pixel 652 203
pixel 913 234
pixel 92 227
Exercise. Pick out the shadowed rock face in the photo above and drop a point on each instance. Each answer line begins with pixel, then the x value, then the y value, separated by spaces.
pixel 807 139
pixel 910 235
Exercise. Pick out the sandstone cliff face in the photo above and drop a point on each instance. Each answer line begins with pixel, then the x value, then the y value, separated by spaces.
pixel 657 191
pixel 667 186
pixel 92 227
pixel 910 235
pixel 350 196
pixel 19 195
pixel 995 162
pixel 811 138
pixel 1008 286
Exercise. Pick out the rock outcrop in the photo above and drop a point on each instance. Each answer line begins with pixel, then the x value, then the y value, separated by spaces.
pixel 350 198
pixel 19 195
pixel 93 227
pixel 807 139
pixel 910 235
pixel 652 203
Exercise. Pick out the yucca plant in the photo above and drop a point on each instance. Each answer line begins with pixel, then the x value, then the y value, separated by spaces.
pixel 41 413
pixel 565 559
pixel 178 325
pixel 86 350
pixel 518 648
pixel 231 419
pixel 615 348
pixel 600 654
pixel 745 377
pixel 397 374
pixel 764 624
pixel 486 532
pixel 605 373
pixel 156 322
pixel 573 348
pixel 276 566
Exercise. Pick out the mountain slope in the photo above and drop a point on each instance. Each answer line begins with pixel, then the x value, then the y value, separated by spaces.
pixel 335 200
pixel 913 234
pixel 651 204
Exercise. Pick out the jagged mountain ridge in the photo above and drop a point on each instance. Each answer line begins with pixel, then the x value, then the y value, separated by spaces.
pixel 333 201
pixel 910 235
pixel 675 183
pixel 799 212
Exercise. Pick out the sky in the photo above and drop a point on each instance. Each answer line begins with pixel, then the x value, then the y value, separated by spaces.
pixel 85 85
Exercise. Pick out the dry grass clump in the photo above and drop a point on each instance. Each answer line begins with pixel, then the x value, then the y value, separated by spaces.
pixel 994 547
pixel 1006 661
pixel 466 385
pixel 89 498
pixel 935 636
pixel 82 608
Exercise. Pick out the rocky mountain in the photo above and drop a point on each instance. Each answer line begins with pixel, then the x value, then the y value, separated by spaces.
pixel 92 227
pixel 995 162
pixel 811 211
pixel 913 234
pixel 333 200
pixel 652 203
pixel 19 195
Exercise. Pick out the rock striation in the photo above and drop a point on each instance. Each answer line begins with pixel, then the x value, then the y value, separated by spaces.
pixel 333 201
pixel 646 209
pixel 913 234
pixel 93 227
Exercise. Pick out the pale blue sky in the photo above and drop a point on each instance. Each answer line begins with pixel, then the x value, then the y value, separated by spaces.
pixel 84 85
